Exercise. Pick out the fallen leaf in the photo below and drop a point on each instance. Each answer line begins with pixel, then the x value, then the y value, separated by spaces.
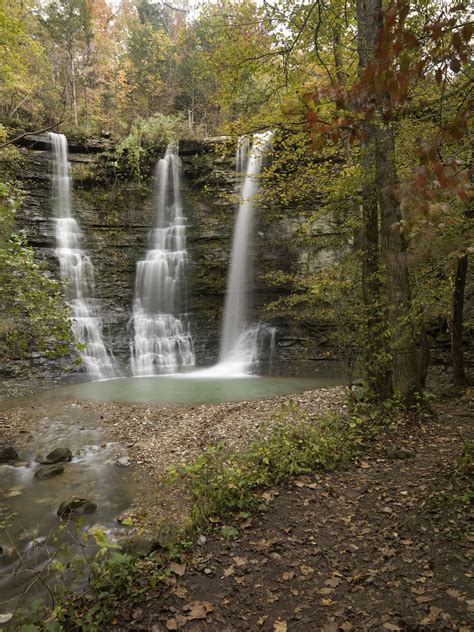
pixel 280 626
pixel 199 610
pixel 326 602
pixel 229 571
pixel 391 626
pixel 432 615
pixel 306 569
pixel 177 569
pixel 180 592
pixel 172 624
pixel 326 591
pixel 455 594
pixel 240 561
pixel 287 575
pixel 271 598
pixel 424 599
pixel 333 582
pixel 262 620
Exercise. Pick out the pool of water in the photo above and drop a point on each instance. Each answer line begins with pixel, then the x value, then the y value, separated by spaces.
pixel 199 388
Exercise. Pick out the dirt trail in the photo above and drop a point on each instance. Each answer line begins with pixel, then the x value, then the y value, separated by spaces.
pixel 383 545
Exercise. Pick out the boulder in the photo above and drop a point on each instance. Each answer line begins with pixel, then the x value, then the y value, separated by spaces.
pixel 48 471
pixel 8 454
pixel 138 545
pixel 59 455
pixel 76 507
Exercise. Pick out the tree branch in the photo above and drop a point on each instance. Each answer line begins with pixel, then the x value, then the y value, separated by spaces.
pixel 40 131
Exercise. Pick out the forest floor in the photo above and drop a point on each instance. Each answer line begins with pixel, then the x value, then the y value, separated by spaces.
pixel 381 545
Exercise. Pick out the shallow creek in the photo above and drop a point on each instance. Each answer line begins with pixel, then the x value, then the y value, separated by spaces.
pixel 30 530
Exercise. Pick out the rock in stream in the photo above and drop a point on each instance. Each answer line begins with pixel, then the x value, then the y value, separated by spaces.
pixel 48 471
pixel 8 454
pixel 76 507
pixel 59 455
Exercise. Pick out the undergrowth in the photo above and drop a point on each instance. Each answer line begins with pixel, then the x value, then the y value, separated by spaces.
pixel 224 482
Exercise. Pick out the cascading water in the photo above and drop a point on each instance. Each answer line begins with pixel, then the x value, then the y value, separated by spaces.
pixel 77 272
pixel 240 343
pixel 162 341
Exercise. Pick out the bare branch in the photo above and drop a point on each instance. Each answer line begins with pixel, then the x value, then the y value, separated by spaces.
pixel 40 131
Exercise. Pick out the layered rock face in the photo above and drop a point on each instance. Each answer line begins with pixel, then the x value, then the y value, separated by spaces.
pixel 116 216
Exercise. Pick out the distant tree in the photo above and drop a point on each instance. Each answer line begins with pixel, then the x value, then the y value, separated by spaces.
pixel 69 26
pixel 24 66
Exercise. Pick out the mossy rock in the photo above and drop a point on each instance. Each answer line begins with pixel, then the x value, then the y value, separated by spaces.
pixel 48 471
pixel 59 455
pixel 76 507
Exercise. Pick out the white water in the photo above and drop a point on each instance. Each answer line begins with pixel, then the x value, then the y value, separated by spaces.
pixel 77 272
pixel 162 342
pixel 240 342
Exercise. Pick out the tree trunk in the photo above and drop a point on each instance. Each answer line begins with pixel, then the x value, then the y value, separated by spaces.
pixel 425 355
pixel 457 316
pixel 376 357
pixel 73 91
pixel 404 349
pixel 336 49
pixel 379 142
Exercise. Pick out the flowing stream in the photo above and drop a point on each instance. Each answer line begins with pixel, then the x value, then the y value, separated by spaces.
pixel 162 341
pixel 242 343
pixel 77 271
pixel 32 536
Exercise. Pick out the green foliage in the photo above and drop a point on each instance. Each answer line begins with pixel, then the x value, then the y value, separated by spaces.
pixel 34 317
pixel 23 63
pixel 466 459
pixel 112 576
pixel 141 148
pixel 225 482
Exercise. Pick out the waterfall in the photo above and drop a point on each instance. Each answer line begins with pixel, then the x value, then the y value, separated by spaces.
pixel 77 272
pixel 162 341
pixel 239 348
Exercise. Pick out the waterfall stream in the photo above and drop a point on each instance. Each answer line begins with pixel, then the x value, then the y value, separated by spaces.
pixel 240 342
pixel 162 341
pixel 77 271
